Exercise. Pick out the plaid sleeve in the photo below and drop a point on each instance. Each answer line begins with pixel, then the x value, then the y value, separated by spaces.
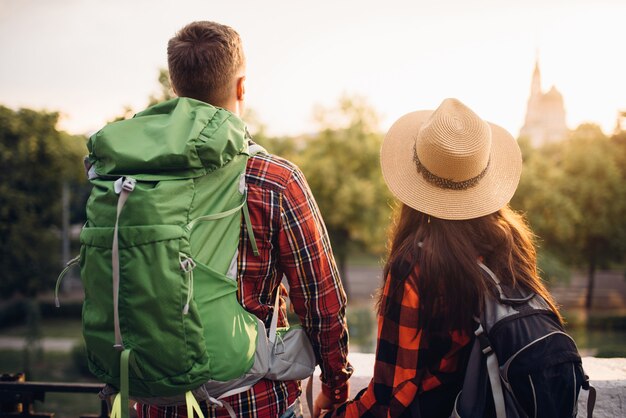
pixel 407 364
pixel 315 289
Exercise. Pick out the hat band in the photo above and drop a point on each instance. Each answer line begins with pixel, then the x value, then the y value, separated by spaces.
pixel 447 183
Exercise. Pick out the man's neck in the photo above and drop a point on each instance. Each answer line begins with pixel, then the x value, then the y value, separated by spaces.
pixel 234 107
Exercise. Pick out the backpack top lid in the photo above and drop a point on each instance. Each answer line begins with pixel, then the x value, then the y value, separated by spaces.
pixel 179 138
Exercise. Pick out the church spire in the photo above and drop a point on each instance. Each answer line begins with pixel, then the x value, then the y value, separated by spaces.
pixel 545 113
pixel 535 87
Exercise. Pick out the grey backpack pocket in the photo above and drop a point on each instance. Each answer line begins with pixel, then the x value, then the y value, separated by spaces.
pixel 292 356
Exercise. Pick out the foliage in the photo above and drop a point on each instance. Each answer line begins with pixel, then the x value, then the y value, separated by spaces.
pixel 552 268
pixel 593 182
pixel 342 168
pixel 166 92
pixel 548 209
pixel 574 194
pixel 12 312
pixel 618 141
pixel 36 159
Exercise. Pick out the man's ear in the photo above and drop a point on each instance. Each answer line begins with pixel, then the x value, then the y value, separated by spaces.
pixel 241 88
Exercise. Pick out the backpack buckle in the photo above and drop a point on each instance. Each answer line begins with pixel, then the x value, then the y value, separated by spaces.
pixel 483 342
pixel 124 183
pixel 129 184
pixel 187 265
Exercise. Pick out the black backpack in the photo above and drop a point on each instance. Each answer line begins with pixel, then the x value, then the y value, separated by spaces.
pixel 522 363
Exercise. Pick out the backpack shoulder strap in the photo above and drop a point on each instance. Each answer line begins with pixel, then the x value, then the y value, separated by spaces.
pixel 255 149
pixel 502 297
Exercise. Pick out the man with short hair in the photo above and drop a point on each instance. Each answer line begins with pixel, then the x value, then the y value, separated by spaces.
pixel 207 63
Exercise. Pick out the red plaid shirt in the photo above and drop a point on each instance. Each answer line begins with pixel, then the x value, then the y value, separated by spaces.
pixel 293 242
pixel 409 364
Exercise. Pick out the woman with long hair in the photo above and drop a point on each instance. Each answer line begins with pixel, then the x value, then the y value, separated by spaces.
pixel 454 175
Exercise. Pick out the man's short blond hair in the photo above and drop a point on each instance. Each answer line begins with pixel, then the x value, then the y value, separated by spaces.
pixel 204 59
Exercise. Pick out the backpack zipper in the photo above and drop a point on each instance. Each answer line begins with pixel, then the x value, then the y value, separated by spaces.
pixel 122 186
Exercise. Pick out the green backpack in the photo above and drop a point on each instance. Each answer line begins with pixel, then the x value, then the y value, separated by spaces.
pixel 158 259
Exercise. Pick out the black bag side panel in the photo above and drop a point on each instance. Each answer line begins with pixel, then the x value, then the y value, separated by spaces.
pixel 536 341
pixel 551 392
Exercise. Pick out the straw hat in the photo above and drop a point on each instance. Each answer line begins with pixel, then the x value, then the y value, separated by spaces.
pixel 449 163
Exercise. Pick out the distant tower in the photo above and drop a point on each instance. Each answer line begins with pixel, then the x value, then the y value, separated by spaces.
pixel 545 113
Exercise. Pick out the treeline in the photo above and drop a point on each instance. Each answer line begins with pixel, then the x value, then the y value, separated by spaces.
pixel 573 192
pixel 574 195
pixel 38 164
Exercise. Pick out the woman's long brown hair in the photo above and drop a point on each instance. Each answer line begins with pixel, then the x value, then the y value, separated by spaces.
pixel 450 283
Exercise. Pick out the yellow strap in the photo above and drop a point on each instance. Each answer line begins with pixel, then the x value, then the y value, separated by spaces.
pixel 192 405
pixel 116 409
pixel 124 380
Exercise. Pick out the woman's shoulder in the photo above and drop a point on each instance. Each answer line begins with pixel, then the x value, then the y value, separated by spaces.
pixel 401 285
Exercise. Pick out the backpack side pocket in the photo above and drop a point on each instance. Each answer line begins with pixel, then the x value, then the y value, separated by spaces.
pixel 292 357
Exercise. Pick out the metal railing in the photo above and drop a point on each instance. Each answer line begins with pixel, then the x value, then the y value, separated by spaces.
pixel 17 397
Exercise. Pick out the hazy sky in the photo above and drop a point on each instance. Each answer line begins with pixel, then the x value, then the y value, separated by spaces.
pixel 90 58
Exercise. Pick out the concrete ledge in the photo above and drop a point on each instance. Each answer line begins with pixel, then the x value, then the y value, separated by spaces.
pixel 608 376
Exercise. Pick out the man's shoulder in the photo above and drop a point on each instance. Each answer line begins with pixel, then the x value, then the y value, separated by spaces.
pixel 270 171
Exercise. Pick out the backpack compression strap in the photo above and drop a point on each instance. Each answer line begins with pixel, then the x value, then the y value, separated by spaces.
pixel 123 186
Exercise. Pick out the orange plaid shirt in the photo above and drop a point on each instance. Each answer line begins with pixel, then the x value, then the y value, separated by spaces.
pixel 412 370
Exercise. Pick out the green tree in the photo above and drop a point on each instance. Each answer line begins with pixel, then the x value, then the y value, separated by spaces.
pixel 341 164
pixel 619 142
pixel 165 89
pixel 549 211
pixel 593 181
pixel 36 159
pixel 574 194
